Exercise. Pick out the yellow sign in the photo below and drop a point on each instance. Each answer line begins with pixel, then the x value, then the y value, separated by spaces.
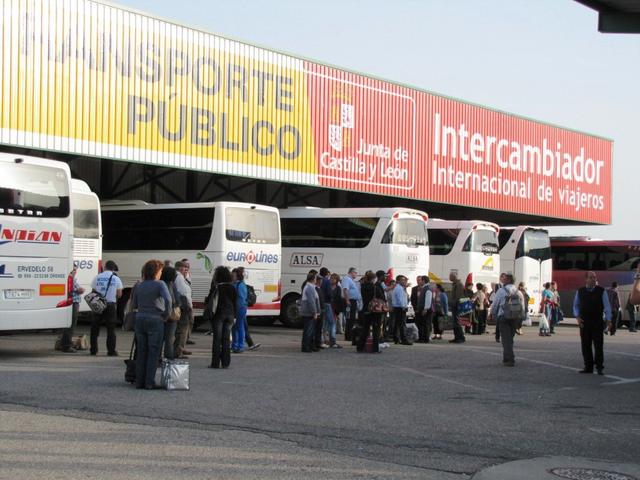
pixel 122 80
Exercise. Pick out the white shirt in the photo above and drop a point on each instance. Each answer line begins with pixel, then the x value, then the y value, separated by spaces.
pixel 101 281
pixel 428 297
pixel 183 288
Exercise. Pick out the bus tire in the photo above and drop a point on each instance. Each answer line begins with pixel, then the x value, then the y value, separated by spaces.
pixel 289 313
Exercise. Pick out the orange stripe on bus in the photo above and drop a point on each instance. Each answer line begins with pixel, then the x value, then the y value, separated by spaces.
pixel 52 289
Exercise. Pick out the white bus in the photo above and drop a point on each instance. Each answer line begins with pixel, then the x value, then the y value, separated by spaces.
pixel 526 253
pixel 36 258
pixel 391 239
pixel 468 247
pixel 87 235
pixel 207 235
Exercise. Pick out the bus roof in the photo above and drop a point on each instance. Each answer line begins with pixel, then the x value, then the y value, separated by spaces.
pixel 460 224
pixel 314 212
pixel 45 162
pixel 79 186
pixel 522 228
pixel 139 205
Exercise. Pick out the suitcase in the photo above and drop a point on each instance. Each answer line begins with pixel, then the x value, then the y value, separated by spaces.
pixel 368 346
pixel 175 375
pixel 130 366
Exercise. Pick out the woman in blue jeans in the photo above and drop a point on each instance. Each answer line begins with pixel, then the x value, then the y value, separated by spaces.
pixel 153 303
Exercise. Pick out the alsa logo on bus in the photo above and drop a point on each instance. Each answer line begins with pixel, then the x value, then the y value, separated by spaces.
pixel 9 235
pixel 306 259
pixel 251 257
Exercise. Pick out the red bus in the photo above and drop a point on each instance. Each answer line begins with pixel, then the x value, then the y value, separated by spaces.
pixel 612 260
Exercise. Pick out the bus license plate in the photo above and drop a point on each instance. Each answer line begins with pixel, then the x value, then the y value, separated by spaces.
pixel 18 294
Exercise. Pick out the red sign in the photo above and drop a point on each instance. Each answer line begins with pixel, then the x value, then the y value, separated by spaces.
pixel 377 137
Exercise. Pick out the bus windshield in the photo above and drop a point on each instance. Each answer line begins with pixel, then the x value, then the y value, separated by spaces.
pixel 86 217
pixel 534 244
pixel 406 231
pixel 33 190
pixel 485 241
pixel 252 225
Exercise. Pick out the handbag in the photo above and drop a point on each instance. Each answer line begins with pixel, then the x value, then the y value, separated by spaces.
pixel 80 342
pixel 175 312
pixel 377 305
pixel 96 301
pixel 129 322
pixel 130 366
pixel 211 307
pixel 175 375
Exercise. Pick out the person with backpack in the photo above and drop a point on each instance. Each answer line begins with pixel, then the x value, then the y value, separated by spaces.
pixel 238 275
pixel 508 309
pixel 109 285
pixel 238 330
pixel 338 304
pixel 375 305
pixel 221 304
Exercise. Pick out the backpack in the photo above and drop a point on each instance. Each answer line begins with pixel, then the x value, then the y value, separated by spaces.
pixel 512 308
pixel 251 296
pixel 338 301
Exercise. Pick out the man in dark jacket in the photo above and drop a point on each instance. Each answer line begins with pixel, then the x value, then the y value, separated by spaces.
pixel 457 290
pixel 420 294
pixel 589 305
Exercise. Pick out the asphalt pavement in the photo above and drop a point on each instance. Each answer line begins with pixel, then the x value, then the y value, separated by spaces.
pixel 434 410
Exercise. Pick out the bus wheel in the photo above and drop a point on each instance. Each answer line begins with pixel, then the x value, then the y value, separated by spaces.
pixel 289 313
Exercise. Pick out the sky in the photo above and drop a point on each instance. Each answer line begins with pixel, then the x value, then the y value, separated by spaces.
pixel 542 59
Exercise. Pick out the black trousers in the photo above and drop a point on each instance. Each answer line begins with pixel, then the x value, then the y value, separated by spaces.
pixel 221 348
pixel 370 323
pixel 400 322
pixel 592 338
pixel 107 318
pixel 317 331
pixel 351 320
pixel 616 315
pixel 437 320
pixel 481 318
pixel 423 322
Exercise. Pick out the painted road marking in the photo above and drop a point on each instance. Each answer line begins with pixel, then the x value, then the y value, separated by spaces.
pixel 618 380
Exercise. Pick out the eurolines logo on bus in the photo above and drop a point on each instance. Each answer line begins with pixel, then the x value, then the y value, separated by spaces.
pixel 17 235
pixel 251 257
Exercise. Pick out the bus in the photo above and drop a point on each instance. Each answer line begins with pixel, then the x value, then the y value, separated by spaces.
pixel 391 239
pixel 36 243
pixel 207 235
pixel 612 260
pixel 525 252
pixel 87 236
pixel 467 247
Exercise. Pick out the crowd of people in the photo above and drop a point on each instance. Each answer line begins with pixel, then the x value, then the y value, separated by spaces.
pixel 370 311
